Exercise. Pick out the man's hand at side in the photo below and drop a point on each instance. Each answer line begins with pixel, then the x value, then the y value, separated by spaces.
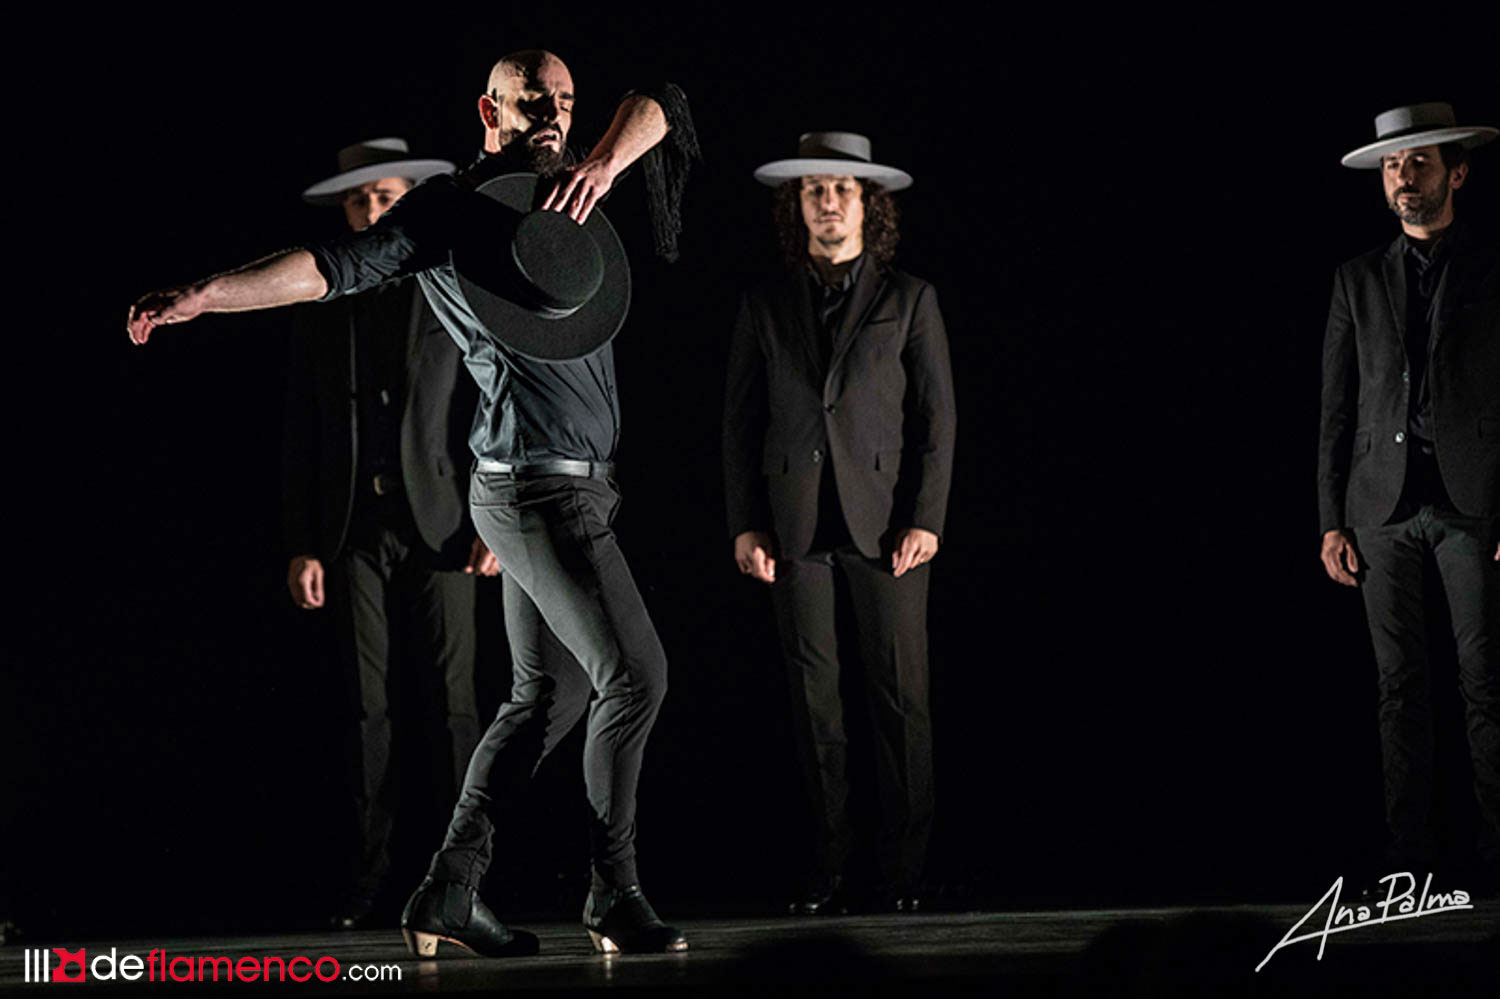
pixel 482 561
pixel 1339 558
pixel 304 577
pixel 913 546
pixel 752 553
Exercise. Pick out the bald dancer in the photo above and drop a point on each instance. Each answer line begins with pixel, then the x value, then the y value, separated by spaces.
pixel 553 425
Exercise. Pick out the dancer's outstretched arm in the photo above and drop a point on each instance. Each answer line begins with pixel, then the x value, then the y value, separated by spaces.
pixel 280 279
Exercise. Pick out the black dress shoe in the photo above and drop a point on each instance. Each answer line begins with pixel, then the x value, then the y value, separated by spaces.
pixel 824 897
pixel 443 912
pixel 624 921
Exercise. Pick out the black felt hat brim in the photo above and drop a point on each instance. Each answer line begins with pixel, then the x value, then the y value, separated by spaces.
pixel 490 285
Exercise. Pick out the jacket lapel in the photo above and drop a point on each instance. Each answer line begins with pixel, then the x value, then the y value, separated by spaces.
pixel 1466 261
pixel 866 293
pixel 1393 268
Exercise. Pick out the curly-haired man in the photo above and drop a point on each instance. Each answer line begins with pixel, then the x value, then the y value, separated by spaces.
pixel 838 453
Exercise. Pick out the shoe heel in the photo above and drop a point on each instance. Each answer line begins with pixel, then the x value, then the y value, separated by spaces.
pixel 602 943
pixel 421 944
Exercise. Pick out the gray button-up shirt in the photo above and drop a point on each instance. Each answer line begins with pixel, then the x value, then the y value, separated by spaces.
pixel 529 410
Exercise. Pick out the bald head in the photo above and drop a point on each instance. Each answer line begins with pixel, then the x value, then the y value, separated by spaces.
pixel 520 64
pixel 529 100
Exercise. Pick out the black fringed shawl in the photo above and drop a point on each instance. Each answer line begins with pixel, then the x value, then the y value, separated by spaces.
pixel 667 165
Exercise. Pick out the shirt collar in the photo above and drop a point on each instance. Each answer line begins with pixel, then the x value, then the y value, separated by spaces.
pixel 850 276
pixel 1432 253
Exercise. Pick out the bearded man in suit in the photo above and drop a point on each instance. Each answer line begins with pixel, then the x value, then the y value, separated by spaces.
pixel 838 455
pixel 375 507
pixel 1409 460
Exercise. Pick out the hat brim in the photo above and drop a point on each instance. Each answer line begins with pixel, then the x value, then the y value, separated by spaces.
pixel 330 191
pixel 481 259
pixel 777 171
pixel 1368 157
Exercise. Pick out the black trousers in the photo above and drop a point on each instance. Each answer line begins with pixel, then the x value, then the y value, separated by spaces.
pixel 891 617
pixel 563 571
pixel 384 586
pixel 1392 559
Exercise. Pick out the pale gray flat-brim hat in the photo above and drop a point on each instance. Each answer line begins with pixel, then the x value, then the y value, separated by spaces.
pixel 1415 125
pixel 372 160
pixel 833 153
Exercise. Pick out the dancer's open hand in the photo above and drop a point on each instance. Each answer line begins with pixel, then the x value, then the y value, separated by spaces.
pixel 578 191
pixel 160 308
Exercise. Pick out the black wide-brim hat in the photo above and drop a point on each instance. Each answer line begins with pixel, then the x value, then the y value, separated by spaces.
pixel 545 286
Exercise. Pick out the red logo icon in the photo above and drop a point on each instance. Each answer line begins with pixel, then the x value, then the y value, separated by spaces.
pixel 65 958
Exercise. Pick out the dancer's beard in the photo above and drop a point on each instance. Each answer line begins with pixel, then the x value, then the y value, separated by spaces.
pixel 541 160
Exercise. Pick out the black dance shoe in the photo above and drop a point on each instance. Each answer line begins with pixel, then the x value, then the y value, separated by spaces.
pixel 441 911
pixel 624 921
pixel 825 896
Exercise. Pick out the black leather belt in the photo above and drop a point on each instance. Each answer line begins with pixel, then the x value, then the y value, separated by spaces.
pixel 555 466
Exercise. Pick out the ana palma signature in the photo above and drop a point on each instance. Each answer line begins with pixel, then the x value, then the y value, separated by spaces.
pixel 1342 917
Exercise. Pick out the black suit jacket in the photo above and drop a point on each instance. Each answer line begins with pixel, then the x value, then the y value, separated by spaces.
pixel 1362 447
pixel 322 432
pixel 883 412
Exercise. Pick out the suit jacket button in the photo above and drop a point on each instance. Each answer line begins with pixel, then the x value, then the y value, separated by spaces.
pixel 1400 437
pixel 828 408
pixel 817 455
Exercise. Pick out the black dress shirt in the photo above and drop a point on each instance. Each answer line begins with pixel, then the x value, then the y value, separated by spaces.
pixel 830 302
pixel 1425 266
pixel 529 410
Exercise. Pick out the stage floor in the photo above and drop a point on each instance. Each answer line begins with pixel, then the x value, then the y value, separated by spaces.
pixel 1097 952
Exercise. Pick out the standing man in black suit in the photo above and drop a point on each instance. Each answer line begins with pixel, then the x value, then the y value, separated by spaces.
pixel 376 510
pixel 1409 460
pixel 838 454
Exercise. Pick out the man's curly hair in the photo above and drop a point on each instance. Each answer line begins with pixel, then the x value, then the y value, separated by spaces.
pixel 880 230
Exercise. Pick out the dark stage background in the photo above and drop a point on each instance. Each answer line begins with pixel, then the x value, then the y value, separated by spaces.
pixel 1145 688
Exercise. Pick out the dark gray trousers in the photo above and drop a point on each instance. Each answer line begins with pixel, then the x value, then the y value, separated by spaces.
pixel 382 585
pixel 891 617
pixel 563 571
pixel 1392 562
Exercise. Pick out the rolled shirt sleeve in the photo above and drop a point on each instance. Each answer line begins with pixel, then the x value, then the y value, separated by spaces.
pixel 410 237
